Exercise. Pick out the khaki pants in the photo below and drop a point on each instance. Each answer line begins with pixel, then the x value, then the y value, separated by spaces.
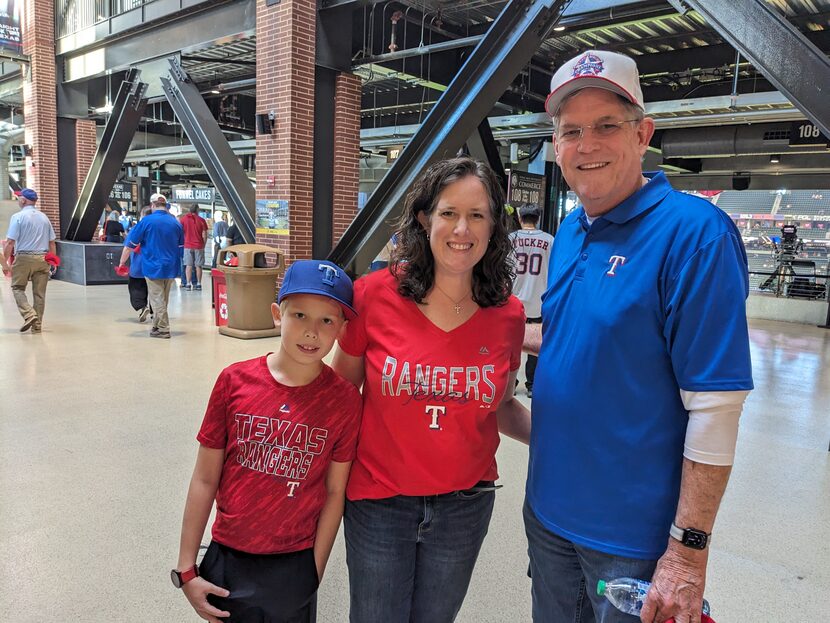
pixel 28 268
pixel 158 291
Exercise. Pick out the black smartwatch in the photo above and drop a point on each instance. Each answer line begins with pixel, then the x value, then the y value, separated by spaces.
pixel 690 537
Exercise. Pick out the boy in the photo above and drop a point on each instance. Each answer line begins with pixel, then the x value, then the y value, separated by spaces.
pixel 276 444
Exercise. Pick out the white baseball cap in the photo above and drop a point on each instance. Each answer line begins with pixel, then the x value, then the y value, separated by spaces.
pixel 158 198
pixel 599 69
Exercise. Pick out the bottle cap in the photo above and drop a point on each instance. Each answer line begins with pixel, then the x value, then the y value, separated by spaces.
pixel 601 587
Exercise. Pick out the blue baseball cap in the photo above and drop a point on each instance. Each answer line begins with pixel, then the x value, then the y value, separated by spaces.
pixel 26 193
pixel 319 277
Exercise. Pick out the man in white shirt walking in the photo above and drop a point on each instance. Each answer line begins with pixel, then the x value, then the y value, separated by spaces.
pixel 532 250
pixel 30 237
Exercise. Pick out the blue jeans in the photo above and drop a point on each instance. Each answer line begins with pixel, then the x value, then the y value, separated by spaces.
pixel 565 575
pixel 410 558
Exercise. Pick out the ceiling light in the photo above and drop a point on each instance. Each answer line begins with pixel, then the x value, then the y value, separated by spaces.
pixel 215 91
pixel 558 28
pixel 104 110
pixel 774 159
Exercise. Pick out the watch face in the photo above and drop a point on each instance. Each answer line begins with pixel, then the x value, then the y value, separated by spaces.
pixel 176 578
pixel 695 538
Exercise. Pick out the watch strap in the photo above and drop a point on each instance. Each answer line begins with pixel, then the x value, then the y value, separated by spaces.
pixel 189 574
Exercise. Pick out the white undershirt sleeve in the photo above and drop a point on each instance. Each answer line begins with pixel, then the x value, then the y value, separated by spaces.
pixel 713 425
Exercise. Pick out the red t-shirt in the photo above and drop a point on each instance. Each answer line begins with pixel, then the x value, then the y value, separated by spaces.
pixel 278 442
pixel 430 397
pixel 193 225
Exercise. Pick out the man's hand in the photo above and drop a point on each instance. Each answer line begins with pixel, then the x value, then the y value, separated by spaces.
pixel 677 586
pixel 197 591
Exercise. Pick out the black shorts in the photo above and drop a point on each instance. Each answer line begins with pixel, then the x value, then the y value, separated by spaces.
pixel 264 588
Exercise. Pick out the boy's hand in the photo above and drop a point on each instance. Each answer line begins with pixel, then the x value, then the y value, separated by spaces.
pixel 197 591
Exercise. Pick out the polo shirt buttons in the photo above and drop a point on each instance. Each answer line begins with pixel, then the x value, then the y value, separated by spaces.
pixel 584 256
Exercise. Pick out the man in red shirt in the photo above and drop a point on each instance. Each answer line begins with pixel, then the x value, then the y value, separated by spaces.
pixel 195 236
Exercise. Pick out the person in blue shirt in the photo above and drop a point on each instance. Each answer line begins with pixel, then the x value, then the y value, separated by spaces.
pixel 643 366
pixel 162 245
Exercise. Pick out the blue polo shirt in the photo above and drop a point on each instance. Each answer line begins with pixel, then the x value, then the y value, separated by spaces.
pixel 162 242
pixel 644 302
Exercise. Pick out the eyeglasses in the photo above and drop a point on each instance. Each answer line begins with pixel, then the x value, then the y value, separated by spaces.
pixel 602 130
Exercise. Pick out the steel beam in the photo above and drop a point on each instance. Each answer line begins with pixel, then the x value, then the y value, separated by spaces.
pixel 127 111
pixel 213 148
pixel 482 146
pixel 509 44
pixel 786 57
pixel 322 213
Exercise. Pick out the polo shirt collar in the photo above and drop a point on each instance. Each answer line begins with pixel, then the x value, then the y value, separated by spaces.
pixel 634 205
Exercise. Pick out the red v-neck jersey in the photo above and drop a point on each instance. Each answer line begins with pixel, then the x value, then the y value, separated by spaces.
pixel 429 396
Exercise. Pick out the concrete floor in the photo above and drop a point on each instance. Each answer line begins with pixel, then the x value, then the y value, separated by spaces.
pixel 97 425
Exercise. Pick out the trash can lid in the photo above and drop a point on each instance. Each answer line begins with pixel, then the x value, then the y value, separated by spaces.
pixel 246 255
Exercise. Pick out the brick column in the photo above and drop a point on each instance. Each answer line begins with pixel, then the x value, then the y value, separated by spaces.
pixel 86 141
pixel 40 105
pixel 285 84
pixel 346 151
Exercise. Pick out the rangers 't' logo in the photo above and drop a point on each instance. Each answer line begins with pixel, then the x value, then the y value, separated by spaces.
pixel 615 260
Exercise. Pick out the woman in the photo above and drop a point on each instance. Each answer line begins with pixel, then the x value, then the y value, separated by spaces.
pixel 436 346
pixel 113 229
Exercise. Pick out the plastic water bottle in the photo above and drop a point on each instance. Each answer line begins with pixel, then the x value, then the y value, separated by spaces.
pixel 629 594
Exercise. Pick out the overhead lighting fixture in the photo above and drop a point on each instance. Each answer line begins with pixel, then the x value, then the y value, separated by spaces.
pixel 215 91
pixel 558 28
pixel 103 110
pixel 774 159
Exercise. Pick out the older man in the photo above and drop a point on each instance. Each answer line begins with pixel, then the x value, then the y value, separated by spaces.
pixel 30 237
pixel 643 368
pixel 162 242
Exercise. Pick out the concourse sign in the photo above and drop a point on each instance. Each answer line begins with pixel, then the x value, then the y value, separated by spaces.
pixel 202 194
pixel 807 133
pixel 124 191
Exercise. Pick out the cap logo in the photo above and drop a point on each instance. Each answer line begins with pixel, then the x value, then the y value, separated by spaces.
pixel 589 64
pixel 329 274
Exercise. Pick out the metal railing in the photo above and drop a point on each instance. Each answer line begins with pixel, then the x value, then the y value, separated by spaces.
pixel 74 15
pixel 788 284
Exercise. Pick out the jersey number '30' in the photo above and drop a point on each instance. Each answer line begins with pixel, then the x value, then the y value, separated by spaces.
pixel 528 263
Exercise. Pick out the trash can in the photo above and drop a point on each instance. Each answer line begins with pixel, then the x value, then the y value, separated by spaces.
pixel 219 298
pixel 251 286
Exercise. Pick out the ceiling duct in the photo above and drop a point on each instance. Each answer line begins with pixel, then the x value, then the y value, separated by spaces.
pixel 183 169
pixel 761 139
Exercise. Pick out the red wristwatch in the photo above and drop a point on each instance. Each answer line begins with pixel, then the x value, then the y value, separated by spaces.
pixel 180 578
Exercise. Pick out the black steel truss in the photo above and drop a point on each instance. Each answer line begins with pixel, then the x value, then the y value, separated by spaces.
pixel 210 143
pixel 778 49
pixel 118 134
pixel 509 44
